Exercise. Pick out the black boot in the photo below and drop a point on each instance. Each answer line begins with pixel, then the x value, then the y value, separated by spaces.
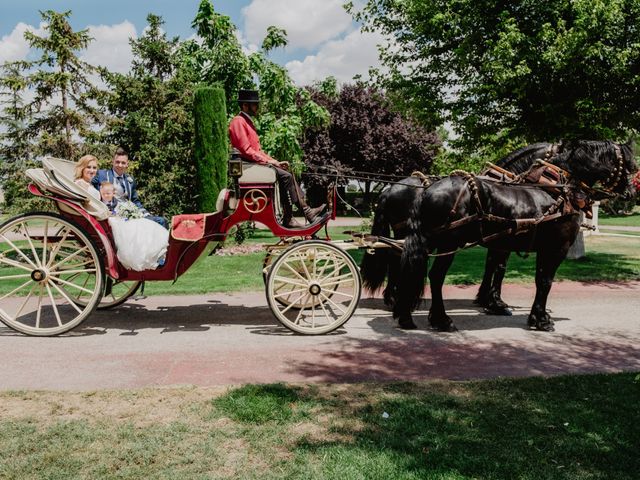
pixel 287 217
pixel 312 214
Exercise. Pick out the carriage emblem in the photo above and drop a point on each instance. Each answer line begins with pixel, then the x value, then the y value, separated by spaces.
pixel 255 200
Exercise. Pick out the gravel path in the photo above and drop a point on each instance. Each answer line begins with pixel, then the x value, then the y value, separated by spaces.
pixel 224 339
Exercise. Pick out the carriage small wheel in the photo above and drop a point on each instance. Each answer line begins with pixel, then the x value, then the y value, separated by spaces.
pixel 313 287
pixel 46 263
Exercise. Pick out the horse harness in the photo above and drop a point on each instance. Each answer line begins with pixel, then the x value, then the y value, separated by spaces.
pixel 569 202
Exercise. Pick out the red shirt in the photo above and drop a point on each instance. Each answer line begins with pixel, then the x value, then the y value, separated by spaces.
pixel 244 137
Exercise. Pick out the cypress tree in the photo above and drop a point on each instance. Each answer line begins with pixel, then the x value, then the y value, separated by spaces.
pixel 210 145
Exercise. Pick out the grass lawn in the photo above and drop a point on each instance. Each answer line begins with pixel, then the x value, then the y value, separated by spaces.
pixel 632 220
pixel 608 259
pixel 573 427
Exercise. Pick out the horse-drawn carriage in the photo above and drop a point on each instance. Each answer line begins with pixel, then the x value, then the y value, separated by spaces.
pixel 57 268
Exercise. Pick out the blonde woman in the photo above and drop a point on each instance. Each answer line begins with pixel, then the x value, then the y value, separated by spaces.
pixel 86 169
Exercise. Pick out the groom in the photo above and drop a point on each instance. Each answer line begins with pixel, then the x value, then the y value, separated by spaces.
pixel 125 185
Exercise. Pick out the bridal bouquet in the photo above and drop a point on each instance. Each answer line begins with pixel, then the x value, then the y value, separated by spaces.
pixel 128 210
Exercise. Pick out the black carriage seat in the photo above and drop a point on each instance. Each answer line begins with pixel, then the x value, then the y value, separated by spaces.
pixel 56 177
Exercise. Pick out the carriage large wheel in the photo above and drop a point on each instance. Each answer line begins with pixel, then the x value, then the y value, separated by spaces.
pixel 116 292
pixel 286 300
pixel 46 260
pixel 321 285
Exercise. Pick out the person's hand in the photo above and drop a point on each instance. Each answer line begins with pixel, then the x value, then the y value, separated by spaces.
pixel 284 165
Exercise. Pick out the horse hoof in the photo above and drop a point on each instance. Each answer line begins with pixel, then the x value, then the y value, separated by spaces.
pixel 547 327
pixel 447 328
pixel 407 325
pixel 496 310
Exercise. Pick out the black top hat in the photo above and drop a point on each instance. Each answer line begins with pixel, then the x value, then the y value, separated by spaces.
pixel 248 96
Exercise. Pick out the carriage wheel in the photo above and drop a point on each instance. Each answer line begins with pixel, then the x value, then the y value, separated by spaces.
pixel 286 300
pixel 116 292
pixel 321 285
pixel 45 262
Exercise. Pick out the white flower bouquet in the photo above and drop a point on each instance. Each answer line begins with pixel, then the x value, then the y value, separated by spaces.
pixel 128 210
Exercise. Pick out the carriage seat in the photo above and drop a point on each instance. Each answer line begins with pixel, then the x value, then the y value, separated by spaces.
pixel 56 177
pixel 256 173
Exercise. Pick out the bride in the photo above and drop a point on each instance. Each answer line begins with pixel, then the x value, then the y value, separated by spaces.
pixel 141 244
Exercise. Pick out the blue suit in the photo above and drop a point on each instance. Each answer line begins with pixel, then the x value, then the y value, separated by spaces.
pixel 130 193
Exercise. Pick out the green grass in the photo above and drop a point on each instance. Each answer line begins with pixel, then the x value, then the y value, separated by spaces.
pixel 572 427
pixel 632 220
pixel 608 259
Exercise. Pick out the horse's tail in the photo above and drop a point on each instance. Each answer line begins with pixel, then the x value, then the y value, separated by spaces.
pixel 374 266
pixel 413 270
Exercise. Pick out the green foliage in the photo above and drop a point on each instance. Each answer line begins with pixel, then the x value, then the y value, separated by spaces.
pixel 366 134
pixel 211 145
pixel 63 102
pixel 287 111
pixel 151 116
pixel 520 71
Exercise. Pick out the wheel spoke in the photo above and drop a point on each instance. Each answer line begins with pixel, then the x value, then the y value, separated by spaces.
pixel 16 290
pixel 299 316
pixel 337 280
pixel 294 302
pixel 39 307
pixel 333 303
pixel 54 252
pixel 290 292
pixel 19 275
pixel 19 251
pixel 26 300
pixel 66 259
pixel 13 263
pixel 53 304
pixel 61 292
pixel 33 248
pixel 62 272
pixel 297 274
pixel 74 285
pixel 291 281
pixel 338 292
pixel 44 242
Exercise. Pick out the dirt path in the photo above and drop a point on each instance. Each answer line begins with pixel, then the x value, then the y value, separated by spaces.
pixel 232 339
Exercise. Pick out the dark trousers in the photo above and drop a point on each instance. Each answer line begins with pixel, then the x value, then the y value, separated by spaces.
pixel 289 189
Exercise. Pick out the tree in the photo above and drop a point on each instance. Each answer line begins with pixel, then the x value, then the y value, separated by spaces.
pixel 367 135
pixel 15 148
pixel 512 71
pixel 211 145
pixel 64 96
pixel 286 111
pixel 151 115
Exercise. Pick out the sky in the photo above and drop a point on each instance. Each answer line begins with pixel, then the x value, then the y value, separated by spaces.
pixel 323 39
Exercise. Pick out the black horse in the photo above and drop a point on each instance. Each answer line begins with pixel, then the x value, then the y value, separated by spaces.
pixel 462 209
pixel 392 214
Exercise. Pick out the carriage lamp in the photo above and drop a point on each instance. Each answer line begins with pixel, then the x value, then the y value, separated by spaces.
pixel 235 164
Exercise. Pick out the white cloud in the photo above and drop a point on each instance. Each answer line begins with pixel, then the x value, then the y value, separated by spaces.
pixel 343 59
pixel 13 46
pixel 110 47
pixel 308 23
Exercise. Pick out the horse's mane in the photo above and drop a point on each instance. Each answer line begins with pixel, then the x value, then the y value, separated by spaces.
pixel 520 160
pixel 587 158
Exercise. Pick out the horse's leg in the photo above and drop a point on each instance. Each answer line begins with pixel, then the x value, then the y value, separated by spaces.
pixel 482 298
pixel 495 304
pixel 393 274
pixel 438 317
pixel 546 266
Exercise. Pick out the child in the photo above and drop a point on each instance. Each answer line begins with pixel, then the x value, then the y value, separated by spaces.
pixel 108 196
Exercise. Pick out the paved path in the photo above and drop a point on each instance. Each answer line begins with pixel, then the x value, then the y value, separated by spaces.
pixel 231 339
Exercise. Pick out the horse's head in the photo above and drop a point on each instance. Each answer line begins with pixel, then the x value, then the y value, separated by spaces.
pixel 609 165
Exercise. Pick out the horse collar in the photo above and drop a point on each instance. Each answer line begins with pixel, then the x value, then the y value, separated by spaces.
pixel 615 176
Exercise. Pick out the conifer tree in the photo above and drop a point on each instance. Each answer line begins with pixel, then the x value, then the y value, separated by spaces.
pixel 15 153
pixel 63 106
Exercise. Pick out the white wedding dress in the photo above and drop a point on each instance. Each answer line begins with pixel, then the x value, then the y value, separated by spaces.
pixel 140 243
